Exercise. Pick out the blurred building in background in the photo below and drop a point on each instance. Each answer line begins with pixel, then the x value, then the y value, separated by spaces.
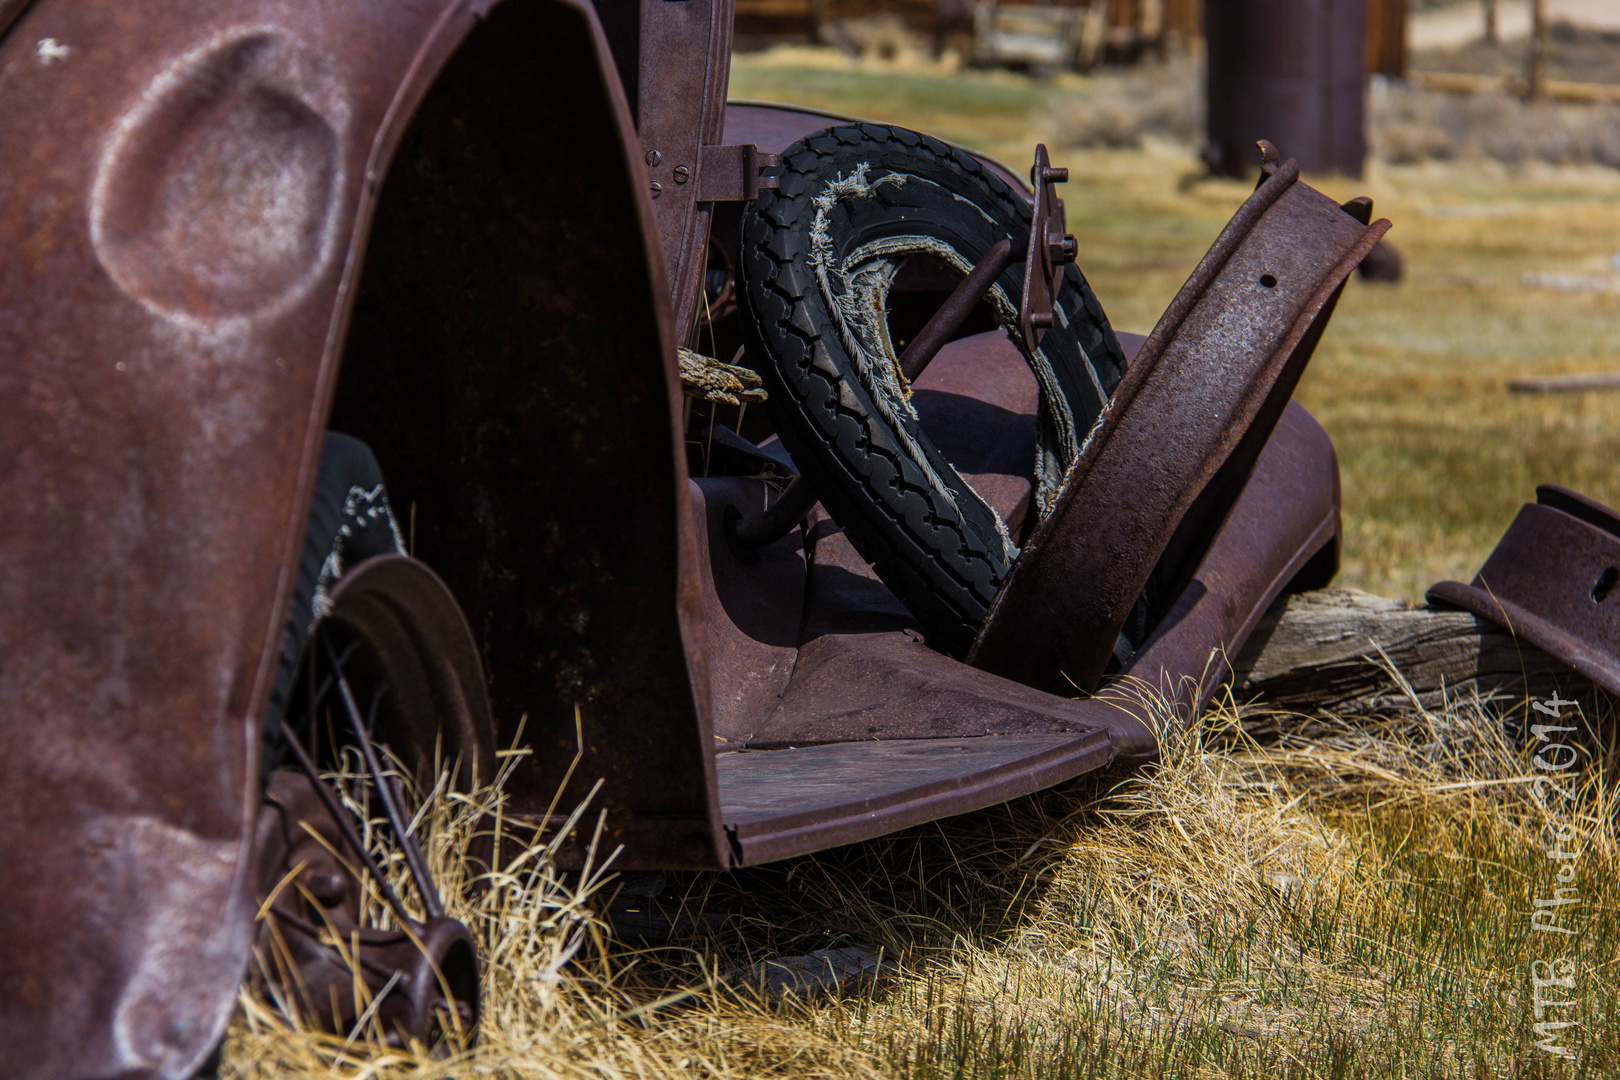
pixel 1062 34
pixel 1095 30
pixel 1292 71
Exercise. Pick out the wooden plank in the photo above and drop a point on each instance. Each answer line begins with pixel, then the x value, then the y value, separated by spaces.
pixel 1567 384
pixel 1594 93
pixel 1386 38
pixel 1321 650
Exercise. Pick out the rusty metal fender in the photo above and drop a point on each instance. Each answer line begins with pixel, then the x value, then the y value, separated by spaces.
pixel 186 196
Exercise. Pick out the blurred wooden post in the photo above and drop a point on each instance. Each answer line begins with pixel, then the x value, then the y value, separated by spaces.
pixel 1386 38
pixel 1490 21
pixel 1183 19
pixel 1537 75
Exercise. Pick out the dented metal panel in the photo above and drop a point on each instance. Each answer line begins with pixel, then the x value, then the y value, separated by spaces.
pixel 187 189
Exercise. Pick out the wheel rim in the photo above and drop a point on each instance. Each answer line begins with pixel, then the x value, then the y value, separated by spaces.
pixel 392 671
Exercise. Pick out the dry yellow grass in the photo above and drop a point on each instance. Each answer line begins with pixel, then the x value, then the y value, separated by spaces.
pixel 1350 897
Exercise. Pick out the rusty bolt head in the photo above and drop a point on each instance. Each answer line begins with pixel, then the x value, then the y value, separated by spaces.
pixel 1055 175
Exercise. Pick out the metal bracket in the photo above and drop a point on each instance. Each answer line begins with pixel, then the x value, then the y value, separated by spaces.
pixel 732 173
pixel 1050 248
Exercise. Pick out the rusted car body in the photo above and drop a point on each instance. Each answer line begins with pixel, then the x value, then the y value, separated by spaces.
pixel 472 235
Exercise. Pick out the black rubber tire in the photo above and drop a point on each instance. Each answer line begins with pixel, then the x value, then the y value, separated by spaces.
pixel 850 198
pixel 349 521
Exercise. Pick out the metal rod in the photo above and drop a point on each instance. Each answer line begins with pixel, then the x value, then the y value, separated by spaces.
pixel 310 930
pixel 317 694
pixel 1536 76
pixel 958 306
pixel 745 535
pixel 396 817
pixel 341 816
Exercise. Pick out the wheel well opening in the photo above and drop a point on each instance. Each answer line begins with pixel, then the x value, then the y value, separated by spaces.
pixel 506 362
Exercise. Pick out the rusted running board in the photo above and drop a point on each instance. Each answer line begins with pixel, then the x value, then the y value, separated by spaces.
pixel 777 803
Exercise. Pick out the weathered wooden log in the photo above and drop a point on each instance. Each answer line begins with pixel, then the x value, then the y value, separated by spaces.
pixel 1334 649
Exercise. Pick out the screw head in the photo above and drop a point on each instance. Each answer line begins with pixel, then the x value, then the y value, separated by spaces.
pixel 654 157
pixel 657 189
pixel 682 174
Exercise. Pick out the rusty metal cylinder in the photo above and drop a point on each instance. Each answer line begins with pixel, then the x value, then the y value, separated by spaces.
pixel 1291 71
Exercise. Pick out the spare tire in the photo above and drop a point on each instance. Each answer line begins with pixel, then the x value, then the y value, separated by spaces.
pixel 818 257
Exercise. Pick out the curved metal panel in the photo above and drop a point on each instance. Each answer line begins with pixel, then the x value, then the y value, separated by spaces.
pixel 186 190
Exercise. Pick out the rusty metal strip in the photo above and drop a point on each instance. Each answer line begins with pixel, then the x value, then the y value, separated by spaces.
pixel 1283 531
pixel 1552 582
pixel 1173 447
pixel 684 67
